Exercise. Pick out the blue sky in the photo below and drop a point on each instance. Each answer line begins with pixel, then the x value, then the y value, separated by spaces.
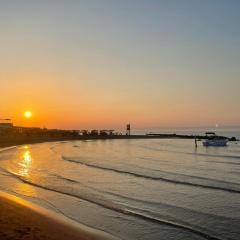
pixel 154 63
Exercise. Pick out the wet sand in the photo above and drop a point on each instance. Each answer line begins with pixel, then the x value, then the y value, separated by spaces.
pixel 20 220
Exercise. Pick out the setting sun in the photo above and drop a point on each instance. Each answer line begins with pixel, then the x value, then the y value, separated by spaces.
pixel 28 114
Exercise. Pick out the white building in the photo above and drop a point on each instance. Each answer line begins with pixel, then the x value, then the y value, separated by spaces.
pixel 6 123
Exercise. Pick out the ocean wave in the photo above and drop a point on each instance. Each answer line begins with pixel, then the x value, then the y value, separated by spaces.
pixel 7 149
pixel 118 207
pixel 167 177
pixel 192 153
pixel 56 144
pixel 64 178
pixel 225 162
pixel 4 172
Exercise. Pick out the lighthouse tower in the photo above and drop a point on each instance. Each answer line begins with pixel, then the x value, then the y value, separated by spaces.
pixel 128 132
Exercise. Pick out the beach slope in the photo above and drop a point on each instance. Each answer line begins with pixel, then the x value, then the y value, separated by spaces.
pixel 20 219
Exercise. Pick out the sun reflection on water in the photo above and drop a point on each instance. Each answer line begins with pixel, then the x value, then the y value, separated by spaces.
pixel 25 164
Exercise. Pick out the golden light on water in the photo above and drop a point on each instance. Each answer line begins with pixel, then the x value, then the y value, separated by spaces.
pixel 27 157
pixel 25 163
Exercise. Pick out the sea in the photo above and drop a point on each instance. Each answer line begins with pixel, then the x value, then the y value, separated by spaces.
pixel 143 189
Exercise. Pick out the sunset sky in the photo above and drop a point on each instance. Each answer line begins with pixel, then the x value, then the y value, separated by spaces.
pixel 91 64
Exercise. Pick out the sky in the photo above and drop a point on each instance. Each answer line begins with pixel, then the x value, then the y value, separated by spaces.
pixel 100 64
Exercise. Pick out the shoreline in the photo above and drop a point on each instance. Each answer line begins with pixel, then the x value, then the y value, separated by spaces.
pixel 20 219
pixel 20 140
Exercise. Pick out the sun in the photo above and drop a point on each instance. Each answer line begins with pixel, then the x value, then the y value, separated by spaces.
pixel 28 114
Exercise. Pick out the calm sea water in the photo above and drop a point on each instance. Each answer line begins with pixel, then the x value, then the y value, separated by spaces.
pixel 222 131
pixel 132 189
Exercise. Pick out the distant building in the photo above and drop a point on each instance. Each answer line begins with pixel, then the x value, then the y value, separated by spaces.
pixel 6 123
pixel 106 132
pixel 94 133
pixel 128 132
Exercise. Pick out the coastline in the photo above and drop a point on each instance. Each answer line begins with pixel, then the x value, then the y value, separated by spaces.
pixel 20 140
pixel 11 142
pixel 20 219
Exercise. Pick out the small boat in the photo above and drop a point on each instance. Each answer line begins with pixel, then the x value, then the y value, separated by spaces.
pixel 213 140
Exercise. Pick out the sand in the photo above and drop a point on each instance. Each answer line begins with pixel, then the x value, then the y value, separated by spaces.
pixel 20 220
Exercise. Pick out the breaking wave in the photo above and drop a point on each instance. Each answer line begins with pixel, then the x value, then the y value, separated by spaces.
pixel 167 177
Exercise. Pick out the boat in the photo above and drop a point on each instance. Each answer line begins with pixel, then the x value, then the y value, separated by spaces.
pixel 213 140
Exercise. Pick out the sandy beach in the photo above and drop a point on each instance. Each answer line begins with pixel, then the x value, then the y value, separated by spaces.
pixel 20 219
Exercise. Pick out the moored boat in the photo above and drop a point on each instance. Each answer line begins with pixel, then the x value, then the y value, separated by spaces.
pixel 213 140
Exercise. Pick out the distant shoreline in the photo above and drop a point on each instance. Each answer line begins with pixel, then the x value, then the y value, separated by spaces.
pixel 18 140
